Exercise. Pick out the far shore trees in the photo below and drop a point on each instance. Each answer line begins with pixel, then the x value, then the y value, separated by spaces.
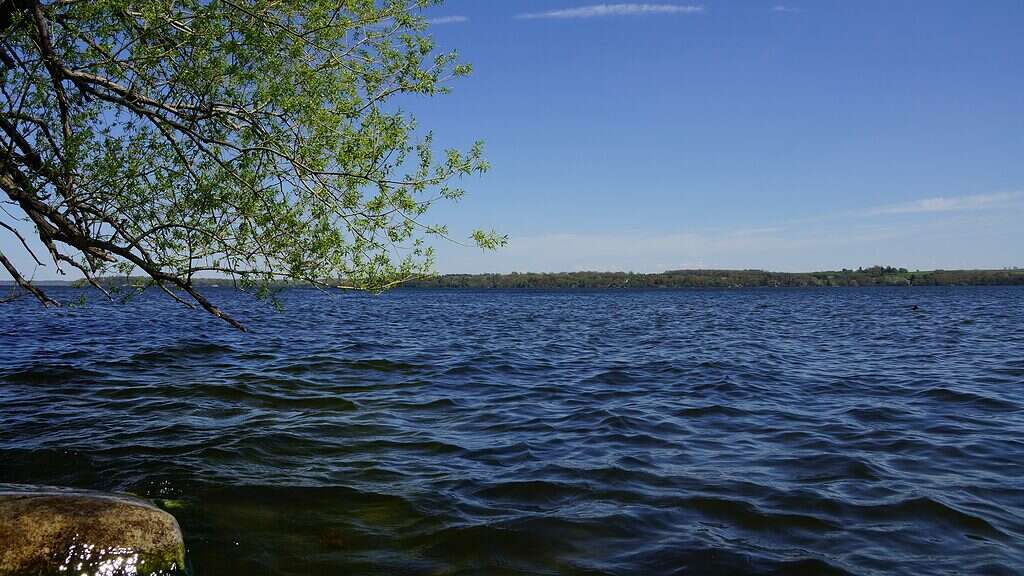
pixel 251 139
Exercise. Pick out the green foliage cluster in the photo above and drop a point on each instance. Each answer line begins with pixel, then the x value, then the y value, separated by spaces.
pixel 256 139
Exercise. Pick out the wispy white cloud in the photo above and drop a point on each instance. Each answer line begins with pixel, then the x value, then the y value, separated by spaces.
pixel 970 231
pixel 447 20
pixel 783 9
pixel 975 240
pixel 950 204
pixel 599 10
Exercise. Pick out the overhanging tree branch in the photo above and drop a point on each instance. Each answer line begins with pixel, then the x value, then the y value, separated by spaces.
pixel 247 139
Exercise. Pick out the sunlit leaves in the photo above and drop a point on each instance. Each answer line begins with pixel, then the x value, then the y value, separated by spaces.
pixel 252 138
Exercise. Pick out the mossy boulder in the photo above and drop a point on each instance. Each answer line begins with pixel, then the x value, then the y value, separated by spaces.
pixel 47 531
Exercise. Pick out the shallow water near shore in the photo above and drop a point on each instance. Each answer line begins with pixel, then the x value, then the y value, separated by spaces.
pixel 815 431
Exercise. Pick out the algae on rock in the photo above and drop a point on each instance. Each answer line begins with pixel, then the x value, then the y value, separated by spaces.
pixel 48 531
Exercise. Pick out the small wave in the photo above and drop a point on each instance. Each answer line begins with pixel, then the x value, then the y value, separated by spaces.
pixel 677 560
pixel 428 405
pixel 322 363
pixel 613 376
pixel 932 510
pixel 621 422
pixel 382 365
pixel 505 455
pixel 189 350
pixel 711 410
pixel 876 414
pixel 969 398
pixel 420 447
pixel 826 468
pixel 749 516
pixel 247 394
pixel 464 370
pixel 531 492
pixel 50 374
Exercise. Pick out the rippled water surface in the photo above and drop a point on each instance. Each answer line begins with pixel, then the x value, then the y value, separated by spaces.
pixel 842 431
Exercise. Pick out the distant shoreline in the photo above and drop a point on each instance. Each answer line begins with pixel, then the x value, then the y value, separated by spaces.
pixel 875 276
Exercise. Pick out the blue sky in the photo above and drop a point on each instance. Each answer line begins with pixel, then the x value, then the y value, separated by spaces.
pixel 795 136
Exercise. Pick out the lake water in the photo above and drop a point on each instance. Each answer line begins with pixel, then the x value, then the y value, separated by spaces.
pixel 833 431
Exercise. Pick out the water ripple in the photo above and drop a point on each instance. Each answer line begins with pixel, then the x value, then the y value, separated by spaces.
pixel 853 431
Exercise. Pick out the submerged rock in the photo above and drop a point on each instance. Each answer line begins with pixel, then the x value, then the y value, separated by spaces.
pixel 48 531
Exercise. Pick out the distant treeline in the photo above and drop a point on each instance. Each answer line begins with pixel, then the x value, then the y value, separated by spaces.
pixel 874 276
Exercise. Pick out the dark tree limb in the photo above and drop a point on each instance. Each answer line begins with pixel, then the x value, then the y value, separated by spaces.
pixel 245 140
pixel 25 284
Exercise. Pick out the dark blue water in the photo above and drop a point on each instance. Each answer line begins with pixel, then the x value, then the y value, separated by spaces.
pixel 841 431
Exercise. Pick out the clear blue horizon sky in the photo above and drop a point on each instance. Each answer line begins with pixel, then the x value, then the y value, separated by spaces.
pixel 777 135
pixel 788 136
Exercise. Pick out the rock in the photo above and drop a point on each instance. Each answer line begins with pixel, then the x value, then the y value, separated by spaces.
pixel 48 531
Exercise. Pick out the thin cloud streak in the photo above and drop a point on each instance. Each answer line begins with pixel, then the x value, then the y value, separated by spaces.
pixel 950 204
pixel 971 231
pixel 604 10
pixel 447 20
pixel 950 242
pixel 782 9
